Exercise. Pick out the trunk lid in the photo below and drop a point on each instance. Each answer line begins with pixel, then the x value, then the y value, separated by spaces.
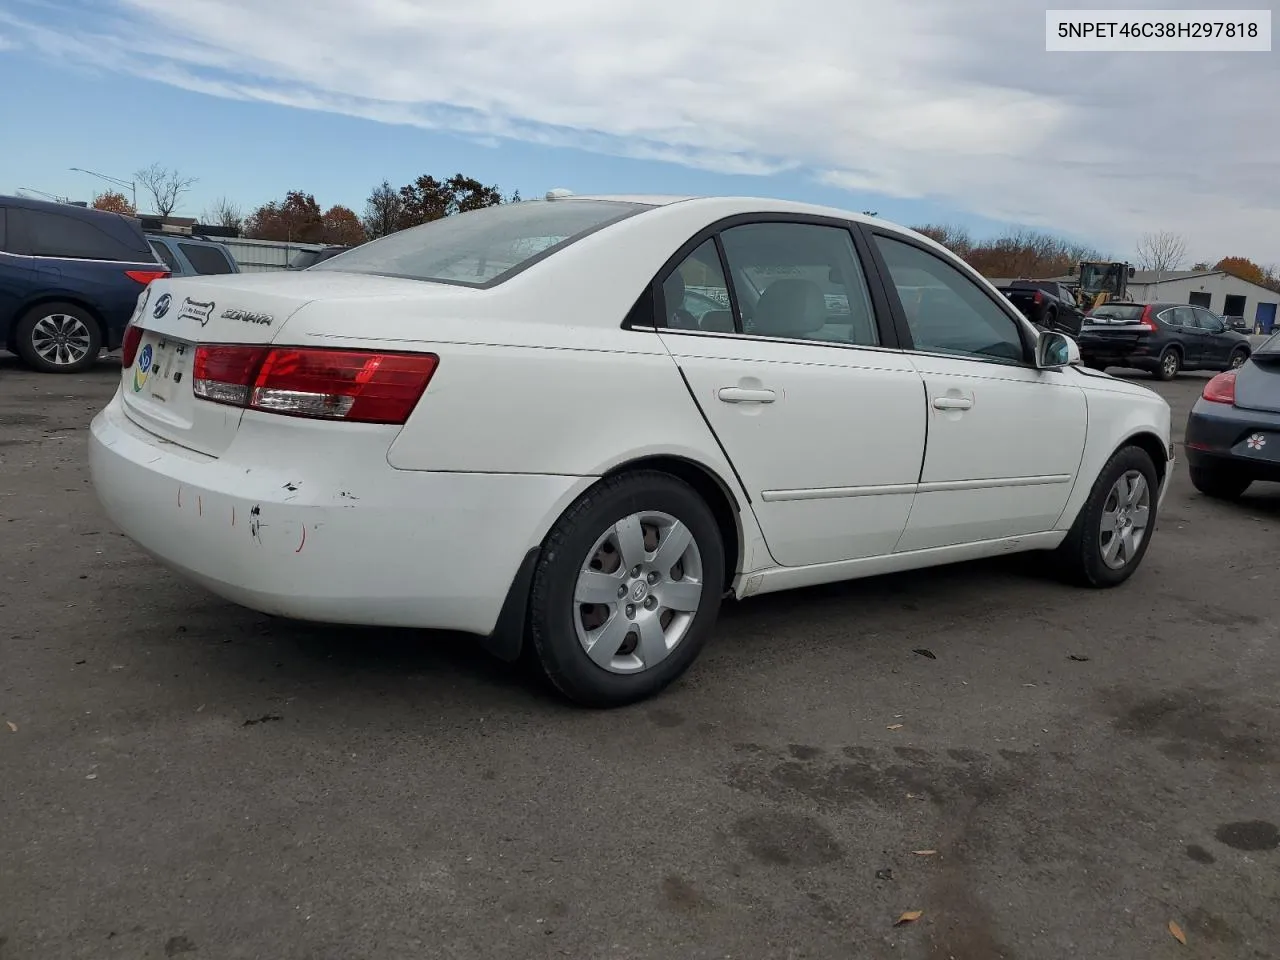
pixel 177 315
pixel 1258 383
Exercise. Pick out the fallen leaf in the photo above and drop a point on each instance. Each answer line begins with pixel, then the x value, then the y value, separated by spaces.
pixel 925 653
pixel 91 776
pixel 884 874
pixel 894 726
pixel 925 853
pixel 13 727
pixel 1078 659
pixel 1177 932
pixel 910 916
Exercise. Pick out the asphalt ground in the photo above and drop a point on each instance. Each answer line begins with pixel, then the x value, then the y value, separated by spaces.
pixel 183 778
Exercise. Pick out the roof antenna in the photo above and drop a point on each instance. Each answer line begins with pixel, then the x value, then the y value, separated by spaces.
pixel 559 193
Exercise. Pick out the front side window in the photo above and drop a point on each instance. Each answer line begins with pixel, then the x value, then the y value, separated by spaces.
pixel 481 247
pixel 800 281
pixel 946 311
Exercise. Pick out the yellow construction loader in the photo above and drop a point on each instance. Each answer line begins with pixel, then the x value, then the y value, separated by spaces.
pixel 1100 281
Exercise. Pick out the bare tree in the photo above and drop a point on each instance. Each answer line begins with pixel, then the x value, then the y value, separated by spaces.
pixel 383 211
pixel 165 186
pixel 1161 251
pixel 224 213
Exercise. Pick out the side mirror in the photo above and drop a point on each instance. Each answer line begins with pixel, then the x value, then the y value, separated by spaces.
pixel 1055 351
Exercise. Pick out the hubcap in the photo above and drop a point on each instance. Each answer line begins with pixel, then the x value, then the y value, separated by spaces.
pixel 60 339
pixel 1171 364
pixel 638 592
pixel 1125 515
pixel 1237 360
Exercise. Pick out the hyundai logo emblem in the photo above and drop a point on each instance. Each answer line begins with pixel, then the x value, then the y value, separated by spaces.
pixel 162 306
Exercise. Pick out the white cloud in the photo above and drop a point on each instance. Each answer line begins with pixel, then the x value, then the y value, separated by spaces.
pixel 917 98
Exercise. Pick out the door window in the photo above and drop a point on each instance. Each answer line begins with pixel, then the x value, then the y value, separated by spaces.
pixel 696 296
pixel 1208 322
pixel 1180 317
pixel 206 260
pixel 946 311
pixel 57 235
pixel 800 281
pixel 165 256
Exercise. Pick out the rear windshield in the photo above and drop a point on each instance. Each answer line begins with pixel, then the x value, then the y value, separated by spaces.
pixel 1132 311
pixel 482 247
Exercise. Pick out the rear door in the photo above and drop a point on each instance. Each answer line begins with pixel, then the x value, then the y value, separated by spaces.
pixel 823 421
pixel 1181 325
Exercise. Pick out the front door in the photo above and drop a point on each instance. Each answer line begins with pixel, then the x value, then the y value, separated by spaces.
pixel 1217 342
pixel 825 428
pixel 1005 439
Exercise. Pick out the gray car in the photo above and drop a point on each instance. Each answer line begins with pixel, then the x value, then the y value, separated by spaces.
pixel 192 257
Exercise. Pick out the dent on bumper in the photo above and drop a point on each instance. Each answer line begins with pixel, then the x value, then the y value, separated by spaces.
pixel 340 539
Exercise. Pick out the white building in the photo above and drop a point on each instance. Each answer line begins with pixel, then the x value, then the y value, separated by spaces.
pixel 1215 290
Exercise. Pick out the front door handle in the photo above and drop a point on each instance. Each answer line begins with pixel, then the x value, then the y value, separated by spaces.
pixel 746 395
pixel 952 403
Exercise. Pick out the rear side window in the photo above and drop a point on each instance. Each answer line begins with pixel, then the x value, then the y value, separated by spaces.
pixel 165 256
pixel 482 247
pixel 206 260
pixel 52 234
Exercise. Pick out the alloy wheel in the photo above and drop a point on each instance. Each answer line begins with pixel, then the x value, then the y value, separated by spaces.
pixel 1126 514
pixel 61 339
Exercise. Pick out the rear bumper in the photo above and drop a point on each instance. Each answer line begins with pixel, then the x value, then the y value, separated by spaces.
pixel 1244 441
pixel 340 537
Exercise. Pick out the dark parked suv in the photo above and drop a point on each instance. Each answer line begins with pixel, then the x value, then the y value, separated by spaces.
pixel 1161 338
pixel 69 281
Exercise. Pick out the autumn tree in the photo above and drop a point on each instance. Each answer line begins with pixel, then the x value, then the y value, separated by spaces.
pixel 955 239
pixel 114 202
pixel 1161 251
pixel 383 211
pixel 343 227
pixel 297 219
pixel 165 186
pixel 224 213
pixel 428 199
pixel 1241 267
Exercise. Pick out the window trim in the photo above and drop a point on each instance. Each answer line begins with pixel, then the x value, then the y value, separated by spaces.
pixel 1026 330
pixel 880 305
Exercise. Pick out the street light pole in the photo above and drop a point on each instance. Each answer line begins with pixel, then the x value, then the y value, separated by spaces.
pixel 131 184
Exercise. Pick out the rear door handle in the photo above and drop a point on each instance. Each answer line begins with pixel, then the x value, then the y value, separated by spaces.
pixel 952 403
pixel 746 395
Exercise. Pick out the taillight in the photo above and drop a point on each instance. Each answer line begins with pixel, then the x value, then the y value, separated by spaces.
pixel 330 384
pixel 129 346
pixel 1039 297
pixel 144 277
pixel 1221 389
pixel 1148 319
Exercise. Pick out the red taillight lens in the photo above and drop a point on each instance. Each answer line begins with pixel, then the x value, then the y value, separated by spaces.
pixel 1221 389
pixel 353 385
pixel 1039 297
pixel 1148 319
pixel 129 346
pixel 146 276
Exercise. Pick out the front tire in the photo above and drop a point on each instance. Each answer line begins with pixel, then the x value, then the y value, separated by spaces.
pixel 1170 364
pixel 1111 535
pixel 1219 483
pixel 1238 358
pixel 626 590
pixel 58 338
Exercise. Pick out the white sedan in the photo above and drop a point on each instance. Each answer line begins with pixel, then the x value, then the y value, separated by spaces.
pixel 581 423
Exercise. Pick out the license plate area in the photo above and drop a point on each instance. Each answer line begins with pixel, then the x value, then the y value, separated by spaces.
pixel 170 369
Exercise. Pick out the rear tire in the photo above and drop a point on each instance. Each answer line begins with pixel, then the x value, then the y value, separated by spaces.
pixel 58 338
pixel 604 635
pixel 1170 364
pixel 1127 489
pixel 1219 483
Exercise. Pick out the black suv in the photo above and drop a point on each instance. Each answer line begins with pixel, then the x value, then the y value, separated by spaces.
pixel 69 281
pixel 1161 338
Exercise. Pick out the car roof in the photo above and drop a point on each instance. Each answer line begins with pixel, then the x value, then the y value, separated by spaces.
pixel 183 238
pixel 28 203
pixel 747 204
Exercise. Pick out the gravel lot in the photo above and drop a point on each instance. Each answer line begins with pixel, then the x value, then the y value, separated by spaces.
pixel 183 778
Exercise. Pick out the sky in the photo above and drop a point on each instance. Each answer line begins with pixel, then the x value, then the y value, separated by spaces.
pixel 926 111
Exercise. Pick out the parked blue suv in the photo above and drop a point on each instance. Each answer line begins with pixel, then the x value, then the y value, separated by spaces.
pixel 69 281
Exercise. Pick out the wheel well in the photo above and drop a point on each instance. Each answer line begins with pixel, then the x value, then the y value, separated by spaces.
pixel 1154 448
pixel 56 298
pixel 1174 348
pixel 723 504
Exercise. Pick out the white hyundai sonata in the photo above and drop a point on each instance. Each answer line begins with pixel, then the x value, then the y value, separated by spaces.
pixel 580 423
